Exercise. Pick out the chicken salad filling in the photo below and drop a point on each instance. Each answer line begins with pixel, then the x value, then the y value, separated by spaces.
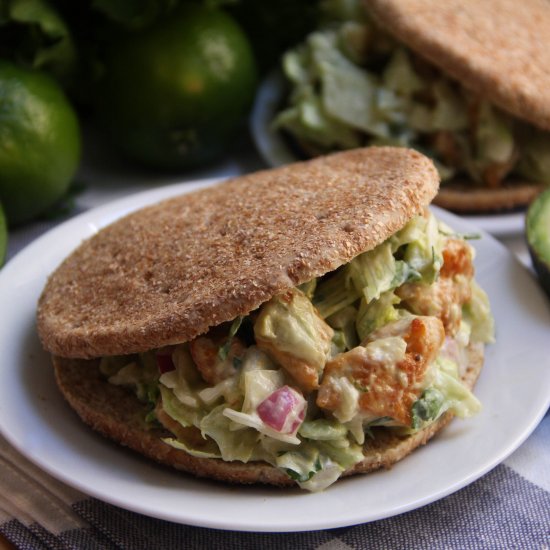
pixel 351 84
pixel 305 381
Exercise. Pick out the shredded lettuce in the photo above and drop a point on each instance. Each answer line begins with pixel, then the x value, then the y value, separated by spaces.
pixel 445 392
pixel 252 420
pixel 343 323
pixel 477 313
pixel 185 415
pixel 324 478
pixel 335 293
pixel 341 452
pixel 451 110
pixel 424 255
pixel 184 380
pixel 309 288
pixel 308 121
pixel 373 272
pixel 259 384
pixel 300 465
pixel 233 444
pixel 400 76
pixel 377 313
pixel 458 398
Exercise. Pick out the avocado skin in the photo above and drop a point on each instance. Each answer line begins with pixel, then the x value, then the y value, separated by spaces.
pixel 537 228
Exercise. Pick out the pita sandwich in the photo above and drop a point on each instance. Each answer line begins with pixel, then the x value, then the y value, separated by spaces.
pixel 286 327
pixel 463 81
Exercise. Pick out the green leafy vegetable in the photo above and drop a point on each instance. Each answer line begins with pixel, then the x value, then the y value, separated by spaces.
pixel 335 293
pixel 322 429
pixel 297 476
pixel 428 408
pixel 375 314
pixel 343 323
pixel 234 444
pixel 477 312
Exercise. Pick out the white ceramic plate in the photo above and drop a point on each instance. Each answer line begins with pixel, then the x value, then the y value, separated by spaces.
pixel 276 152
pixel 514 388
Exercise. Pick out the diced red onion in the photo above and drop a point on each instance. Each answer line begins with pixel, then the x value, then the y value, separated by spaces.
pixel 276 408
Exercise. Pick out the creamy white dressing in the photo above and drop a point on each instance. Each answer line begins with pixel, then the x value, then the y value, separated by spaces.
pixel 177 383
pixel 386 351
pixel 258 385
pixel 349 399
pixel 212 393
pixel 254 421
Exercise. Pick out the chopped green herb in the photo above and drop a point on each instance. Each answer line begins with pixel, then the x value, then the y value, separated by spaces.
pixel 427 408
pixel 223 352
pixel 302 478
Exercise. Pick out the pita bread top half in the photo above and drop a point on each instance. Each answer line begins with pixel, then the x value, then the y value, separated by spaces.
pixel 499 49
pixel 168 272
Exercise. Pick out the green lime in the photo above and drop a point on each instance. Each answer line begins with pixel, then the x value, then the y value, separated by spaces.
pixel 39 142
pixel 173 94
pixel 3 236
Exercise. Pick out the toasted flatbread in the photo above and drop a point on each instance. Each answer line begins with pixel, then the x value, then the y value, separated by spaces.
pixel 117 414
pixel 169 272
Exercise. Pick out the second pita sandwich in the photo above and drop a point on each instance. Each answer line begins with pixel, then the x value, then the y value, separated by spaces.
pixel 463 81
pixel 287 327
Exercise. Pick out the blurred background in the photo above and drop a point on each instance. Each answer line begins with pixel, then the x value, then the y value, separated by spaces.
pixel 103 98
pixel 127 93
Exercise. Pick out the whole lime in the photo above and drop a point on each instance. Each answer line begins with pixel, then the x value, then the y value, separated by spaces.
pixel 174 93
pixel 39 142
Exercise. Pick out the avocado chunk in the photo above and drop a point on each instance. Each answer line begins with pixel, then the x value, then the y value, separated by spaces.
pixel 291 332
pixel 538 237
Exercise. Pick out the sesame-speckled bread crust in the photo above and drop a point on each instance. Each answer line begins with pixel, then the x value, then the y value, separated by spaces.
pixel 500 49
pixel 118 415
pixel 169 272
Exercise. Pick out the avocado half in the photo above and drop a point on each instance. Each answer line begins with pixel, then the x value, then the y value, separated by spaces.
pixel 538 237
